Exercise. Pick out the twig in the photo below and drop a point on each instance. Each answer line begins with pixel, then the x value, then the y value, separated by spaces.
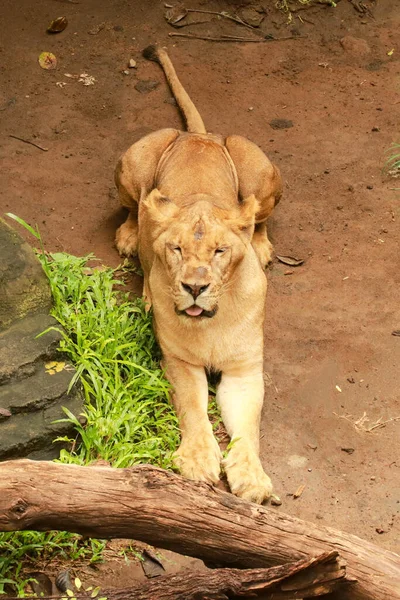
pixel 305 20
pixel 361 423
pixel 221 14
pixel 231 38
pixel 28 142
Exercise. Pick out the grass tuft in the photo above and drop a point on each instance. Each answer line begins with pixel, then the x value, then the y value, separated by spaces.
pixel 127 418
pixel 392 162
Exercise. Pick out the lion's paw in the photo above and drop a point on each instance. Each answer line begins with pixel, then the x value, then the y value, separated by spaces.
pixel 246 476
pixel 263 248
pixel 126 240
pixel 200 459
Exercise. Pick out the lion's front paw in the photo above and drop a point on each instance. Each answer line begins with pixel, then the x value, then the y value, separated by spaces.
pixel 126 239
pixel 246 476
pixel 264 249
pixel 200 459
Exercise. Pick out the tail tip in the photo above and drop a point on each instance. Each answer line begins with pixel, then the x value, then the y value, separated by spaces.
pixel 151 53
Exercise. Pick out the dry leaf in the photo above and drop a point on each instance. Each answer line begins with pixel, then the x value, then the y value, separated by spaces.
pixel 57 25
pixel 78 583
pixel 290 260
pixel 95 30
pixel 95 592
pixel 275 500
pixel 175 14
pixel 86 79
pixel 299 491
pixel 47 61
pixel 151 564
pixel 54 367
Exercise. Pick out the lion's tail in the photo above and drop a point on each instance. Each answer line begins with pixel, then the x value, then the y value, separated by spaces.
pixel 194 122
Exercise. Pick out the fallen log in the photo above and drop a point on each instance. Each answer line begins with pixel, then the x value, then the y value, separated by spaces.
pixel 311 578
pixel 148 504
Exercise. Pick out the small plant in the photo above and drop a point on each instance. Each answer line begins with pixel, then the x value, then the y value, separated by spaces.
pixel 289 7
pixel 127 418
pixel 392 163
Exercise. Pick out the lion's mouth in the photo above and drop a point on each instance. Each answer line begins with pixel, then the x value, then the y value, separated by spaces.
pixel 195 311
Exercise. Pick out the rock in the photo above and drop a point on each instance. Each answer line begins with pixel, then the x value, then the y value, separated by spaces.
pixel 355 46
pixel 20 350
pixel 32 434
pixel 31 395
pixel 144 87
pixel 28 391
pixel 24 287
pixel 281 124
pixel 252 15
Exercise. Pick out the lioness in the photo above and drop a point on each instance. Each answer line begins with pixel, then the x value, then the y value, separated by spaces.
pixel 198 206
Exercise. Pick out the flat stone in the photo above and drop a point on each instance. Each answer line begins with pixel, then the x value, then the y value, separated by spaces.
pixel 20 349
pixel 24 287
pixel 281 124
pixel 35 392
pixel 25 433
pixel 144 87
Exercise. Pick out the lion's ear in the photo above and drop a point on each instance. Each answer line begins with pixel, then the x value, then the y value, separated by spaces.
pixel 247 214
pixel 159 207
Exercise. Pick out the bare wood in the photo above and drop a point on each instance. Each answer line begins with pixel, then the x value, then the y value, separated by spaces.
pixel 161 508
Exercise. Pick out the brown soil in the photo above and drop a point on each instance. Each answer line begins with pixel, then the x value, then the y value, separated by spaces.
pixel 330 355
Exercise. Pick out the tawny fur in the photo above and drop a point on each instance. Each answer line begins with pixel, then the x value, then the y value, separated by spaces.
pixel 198 207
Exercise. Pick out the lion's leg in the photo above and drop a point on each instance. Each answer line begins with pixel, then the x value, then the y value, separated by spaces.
pixel 126 238
pixel 258 176
pixel 198 456
pixel 261 244
pixel 240 397
pixel 134 177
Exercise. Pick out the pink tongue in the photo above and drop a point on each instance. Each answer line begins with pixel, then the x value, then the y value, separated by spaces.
pixel 194 311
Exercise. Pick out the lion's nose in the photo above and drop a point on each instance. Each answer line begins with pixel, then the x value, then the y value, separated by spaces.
pixel 194 289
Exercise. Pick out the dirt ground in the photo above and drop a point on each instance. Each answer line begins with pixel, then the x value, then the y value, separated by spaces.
pixel 330 354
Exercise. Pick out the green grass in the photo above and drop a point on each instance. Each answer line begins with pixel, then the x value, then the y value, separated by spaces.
pixel 108 337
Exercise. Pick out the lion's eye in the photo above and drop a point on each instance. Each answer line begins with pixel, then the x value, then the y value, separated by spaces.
pixel 220 250
pixel 177 249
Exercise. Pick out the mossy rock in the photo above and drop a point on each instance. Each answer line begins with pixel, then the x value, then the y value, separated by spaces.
pixel 24 287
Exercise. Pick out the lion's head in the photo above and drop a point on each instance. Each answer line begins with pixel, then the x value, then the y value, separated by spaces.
pixel 200 246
